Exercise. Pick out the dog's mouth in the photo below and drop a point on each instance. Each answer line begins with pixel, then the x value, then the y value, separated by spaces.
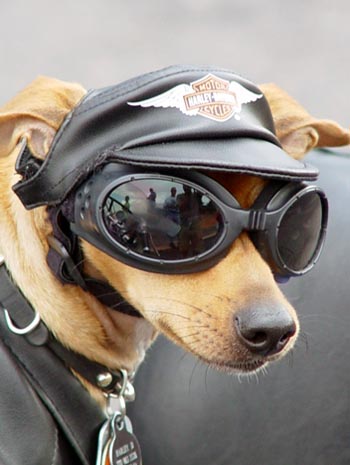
pixel 236 367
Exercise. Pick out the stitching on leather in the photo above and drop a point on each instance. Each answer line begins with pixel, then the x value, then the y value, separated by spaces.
pixel 189 162
pixel 194 164
pixel 54 456
pixel 131 152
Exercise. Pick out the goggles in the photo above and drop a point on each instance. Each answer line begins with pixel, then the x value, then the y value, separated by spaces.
pixel 185 221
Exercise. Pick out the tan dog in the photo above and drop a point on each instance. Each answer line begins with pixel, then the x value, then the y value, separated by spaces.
pixel 196 311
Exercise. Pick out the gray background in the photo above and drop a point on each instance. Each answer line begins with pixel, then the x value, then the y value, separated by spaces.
pixel 302 45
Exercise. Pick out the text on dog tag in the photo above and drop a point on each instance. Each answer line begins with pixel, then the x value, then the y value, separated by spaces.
pixel 124 448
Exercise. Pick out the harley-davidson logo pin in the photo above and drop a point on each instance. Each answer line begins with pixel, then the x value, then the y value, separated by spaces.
pixel 211 97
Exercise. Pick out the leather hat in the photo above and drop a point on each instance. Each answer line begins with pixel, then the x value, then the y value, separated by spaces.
pixel 179 117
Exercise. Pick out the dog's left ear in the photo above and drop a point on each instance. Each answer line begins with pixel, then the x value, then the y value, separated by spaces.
pixel 298 131
pixel 36 113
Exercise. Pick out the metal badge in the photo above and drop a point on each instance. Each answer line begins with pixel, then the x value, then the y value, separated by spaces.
pixel 124 448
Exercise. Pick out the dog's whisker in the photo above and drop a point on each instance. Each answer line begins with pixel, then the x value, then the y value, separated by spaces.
pixel 311 315
pixel 290 358
pixel 264 370
pixel 322 319
pixel 196 324
pixel 303 335
pixel 79 263
pixel 219 297
pixel 180 331
pixel 191 341
pixel 256 376
pixel 161 312
pixel 194 307
pixel 205 379
pixel 253 376
pixel 184 355
pixel 107 294
pixel 303 338
pixel 118 304
pixel 192 374
pixel 185 336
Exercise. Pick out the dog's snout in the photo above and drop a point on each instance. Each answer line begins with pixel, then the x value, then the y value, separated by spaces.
pixel 265 331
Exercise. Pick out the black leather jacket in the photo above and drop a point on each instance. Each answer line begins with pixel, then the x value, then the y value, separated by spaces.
pixel 46 416
pixel 29 434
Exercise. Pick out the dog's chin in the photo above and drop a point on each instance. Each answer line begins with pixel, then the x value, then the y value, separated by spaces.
pixel 242 367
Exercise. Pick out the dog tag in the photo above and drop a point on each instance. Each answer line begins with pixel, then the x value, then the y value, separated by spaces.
pixel 103 442
pixel 124 448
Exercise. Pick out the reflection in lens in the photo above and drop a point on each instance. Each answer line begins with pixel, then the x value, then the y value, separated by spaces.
pixel 299 231
pixel 162 218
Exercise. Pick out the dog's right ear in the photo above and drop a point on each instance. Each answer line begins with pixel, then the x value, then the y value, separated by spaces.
pixel 36 113
pixel 296 129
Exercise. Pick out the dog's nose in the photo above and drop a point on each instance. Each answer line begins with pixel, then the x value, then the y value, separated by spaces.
pixel 265 331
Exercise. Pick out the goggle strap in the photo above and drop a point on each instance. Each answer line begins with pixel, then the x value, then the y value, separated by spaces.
pixel 108 296
pixel 65 258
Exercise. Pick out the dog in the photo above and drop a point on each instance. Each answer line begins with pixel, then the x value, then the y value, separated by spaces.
pixel 198 311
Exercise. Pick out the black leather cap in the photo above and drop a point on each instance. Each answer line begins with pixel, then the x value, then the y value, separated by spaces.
pixel 183 117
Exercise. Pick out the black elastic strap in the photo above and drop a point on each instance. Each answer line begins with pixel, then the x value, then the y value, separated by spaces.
pixel 108 296
pixel 65 259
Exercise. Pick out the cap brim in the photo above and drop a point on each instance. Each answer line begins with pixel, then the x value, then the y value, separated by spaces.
pixel 241 155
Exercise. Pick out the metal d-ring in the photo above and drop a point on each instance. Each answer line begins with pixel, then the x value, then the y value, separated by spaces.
pixel 21 331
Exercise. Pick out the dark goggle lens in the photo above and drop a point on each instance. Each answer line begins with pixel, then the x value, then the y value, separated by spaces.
pixel 162 219
pixel 300 231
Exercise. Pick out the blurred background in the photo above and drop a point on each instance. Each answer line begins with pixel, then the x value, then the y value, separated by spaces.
pixel 300 45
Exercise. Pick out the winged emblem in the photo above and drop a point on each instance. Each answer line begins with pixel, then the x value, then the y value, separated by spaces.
pixel 211 97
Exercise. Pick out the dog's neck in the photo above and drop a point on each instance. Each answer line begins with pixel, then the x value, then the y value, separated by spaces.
pixel 124 346
pixel 125 338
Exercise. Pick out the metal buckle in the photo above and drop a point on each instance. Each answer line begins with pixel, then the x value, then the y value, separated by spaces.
pixel 13 328
pixel 22 331
pixel 123 392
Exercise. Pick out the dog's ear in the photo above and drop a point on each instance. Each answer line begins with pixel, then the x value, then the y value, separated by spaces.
pixel 298 131
pixel 36 113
